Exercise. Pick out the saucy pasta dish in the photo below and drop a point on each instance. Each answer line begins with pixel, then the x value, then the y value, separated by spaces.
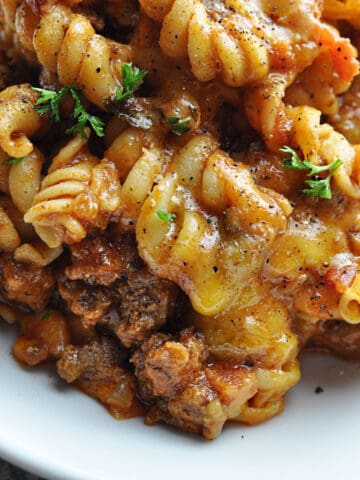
pixel 180 198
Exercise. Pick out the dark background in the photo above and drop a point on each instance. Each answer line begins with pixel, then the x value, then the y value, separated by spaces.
pixel 9 472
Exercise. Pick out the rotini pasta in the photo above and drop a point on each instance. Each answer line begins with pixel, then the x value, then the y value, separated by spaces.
pixel 9 238
pixel 349 304
pixel 18 120
pixel 201 174
pixel 139 161
pixel 79 192
pixel 175 261
pixel 238 41
pixel 24 180
pixel 338 10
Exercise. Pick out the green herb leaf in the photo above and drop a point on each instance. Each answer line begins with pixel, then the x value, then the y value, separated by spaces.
pixel 293 162
pixel 132 78
pixel 82 117
pixel 45 315
pixel 12 161
pixel 179 126
pixel 166 217
pixel 49 102
pixel 319 187
pixel 97 124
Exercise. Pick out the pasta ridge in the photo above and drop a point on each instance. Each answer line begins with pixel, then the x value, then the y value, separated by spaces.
pixel 78 194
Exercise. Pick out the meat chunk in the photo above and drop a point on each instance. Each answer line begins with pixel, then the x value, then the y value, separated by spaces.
pixel 90 303
pixel 96 369
pixel 42 337
pixel 144 302
pixel 111 285
pixel 25 284
pixel 185 388
pixel 337 336
pixel 95 261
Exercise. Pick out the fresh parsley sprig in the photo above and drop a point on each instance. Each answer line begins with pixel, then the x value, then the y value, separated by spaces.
pixel 45 315
pixel 178 125
pixel 166 217
pixel 49 102
pixel 132 78
pixel 319 187
pixel 82 118
pixel 12 161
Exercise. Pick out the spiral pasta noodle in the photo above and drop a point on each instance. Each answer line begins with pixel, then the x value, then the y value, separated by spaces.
pixel 18 120
pixel 180 246
pixel 18 237
pixel 239 42
pixel 338 10
pixel 319 142
pixel 188 250
pixel 37 253
pixel 79 193
pixel 188 30
pixel 9 238
pixel 139 161
pixel 349 305
pixel 66 43
pixel 251 341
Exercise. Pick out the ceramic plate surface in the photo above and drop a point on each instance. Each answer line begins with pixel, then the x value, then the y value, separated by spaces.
pixel 54 431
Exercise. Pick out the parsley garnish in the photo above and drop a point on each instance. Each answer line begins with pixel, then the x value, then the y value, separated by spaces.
pixel 179 126
pixel 49 102
pixel 319 187
pixel 45 315
pixel 82 117
pixel 132 78
pixel 12 161
pixel 167 217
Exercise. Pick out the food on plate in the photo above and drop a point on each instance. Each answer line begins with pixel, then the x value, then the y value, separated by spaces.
pixel 180 198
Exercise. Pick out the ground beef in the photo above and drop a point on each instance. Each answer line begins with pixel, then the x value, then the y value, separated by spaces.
pixel 337 336
pixel 25 284
pixel 185 388
pixel 143 303
pixel 90 303
pixel 107 283
pixel 97 370
pixel 95 261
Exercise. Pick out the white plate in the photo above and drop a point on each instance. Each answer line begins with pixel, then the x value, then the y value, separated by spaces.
pixel 54 431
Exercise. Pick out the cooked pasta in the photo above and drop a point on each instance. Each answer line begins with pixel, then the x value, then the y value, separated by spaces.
pixel 18 120
pixel 67 44
pixel 180 198
pixel 9 238
pixel 229 246
pixel 79 192
pixel 139 161
pixel 338 10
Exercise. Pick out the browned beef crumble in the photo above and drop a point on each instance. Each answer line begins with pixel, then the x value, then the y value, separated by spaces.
pixel 96 368
pixel 89 302
pixel 185 388
pixel 338 337
pixel 25 284
pixel 107 284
